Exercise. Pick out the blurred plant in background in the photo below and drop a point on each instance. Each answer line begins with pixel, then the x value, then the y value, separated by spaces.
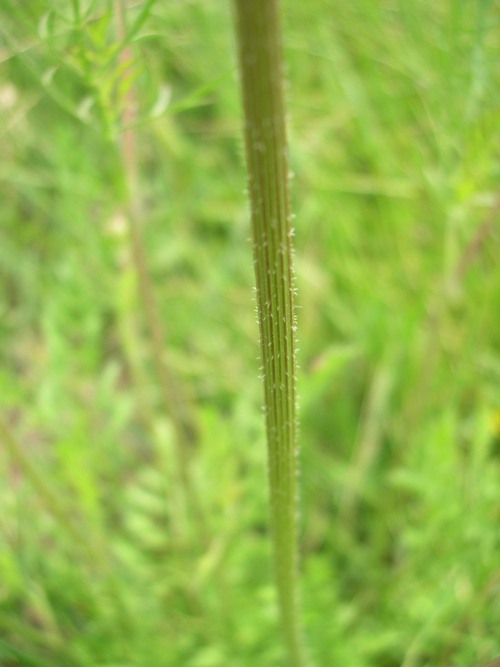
pixel 394 143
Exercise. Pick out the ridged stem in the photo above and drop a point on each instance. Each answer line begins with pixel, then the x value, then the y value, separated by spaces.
pixel 260 61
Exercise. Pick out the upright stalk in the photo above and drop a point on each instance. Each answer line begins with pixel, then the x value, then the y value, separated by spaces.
pixel 260 61
pixel 171 391
pixel 173 398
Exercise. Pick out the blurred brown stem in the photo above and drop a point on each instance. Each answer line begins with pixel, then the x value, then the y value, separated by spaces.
pixel 173 399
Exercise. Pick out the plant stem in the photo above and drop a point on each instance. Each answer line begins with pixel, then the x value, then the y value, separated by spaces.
pixel 170 388
pixel 173 399
pixel 259 47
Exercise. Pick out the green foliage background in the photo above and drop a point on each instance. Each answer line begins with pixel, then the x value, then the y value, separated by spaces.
pixel 394 127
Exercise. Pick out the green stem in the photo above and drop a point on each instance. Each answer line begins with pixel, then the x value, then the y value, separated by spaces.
pixel 259 47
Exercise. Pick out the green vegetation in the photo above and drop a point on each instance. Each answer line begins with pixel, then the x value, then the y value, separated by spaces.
pixel 133 504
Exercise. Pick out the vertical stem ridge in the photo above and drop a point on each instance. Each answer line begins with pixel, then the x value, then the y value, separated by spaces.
pixel 259 51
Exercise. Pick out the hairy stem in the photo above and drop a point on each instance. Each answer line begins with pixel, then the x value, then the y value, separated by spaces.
pixel 259 47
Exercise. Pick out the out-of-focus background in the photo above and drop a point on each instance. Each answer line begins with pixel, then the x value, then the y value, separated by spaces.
pixel 133 499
